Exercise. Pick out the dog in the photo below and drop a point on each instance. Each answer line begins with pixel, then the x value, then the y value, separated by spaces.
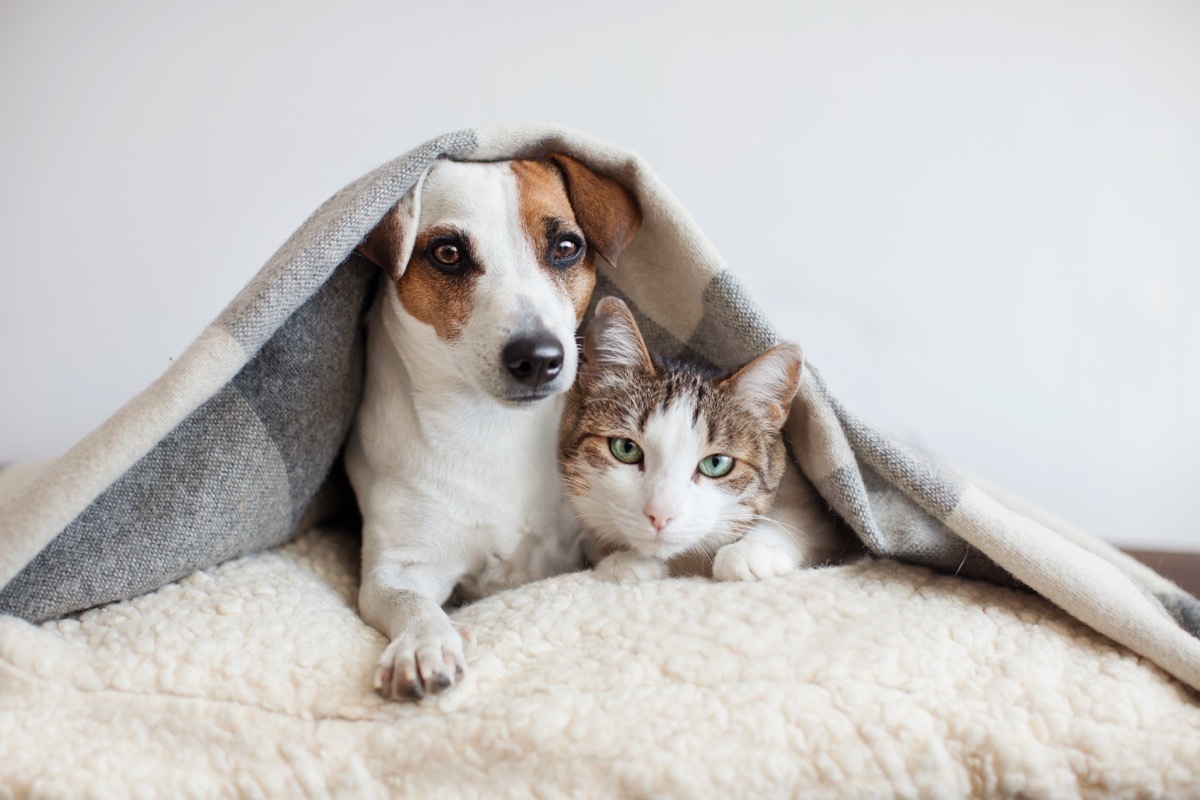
pixel 489 268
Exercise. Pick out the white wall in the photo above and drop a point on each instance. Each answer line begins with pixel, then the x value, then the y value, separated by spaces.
pixel 982 220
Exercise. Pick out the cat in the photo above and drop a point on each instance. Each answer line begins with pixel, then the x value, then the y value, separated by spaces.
pixel 674 469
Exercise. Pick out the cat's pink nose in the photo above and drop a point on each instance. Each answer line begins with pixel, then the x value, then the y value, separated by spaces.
pixel 658 522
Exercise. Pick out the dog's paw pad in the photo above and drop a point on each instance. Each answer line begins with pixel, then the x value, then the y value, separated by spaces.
pixel 750 561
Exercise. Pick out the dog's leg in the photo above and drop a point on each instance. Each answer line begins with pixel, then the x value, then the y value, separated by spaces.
pixel 425 655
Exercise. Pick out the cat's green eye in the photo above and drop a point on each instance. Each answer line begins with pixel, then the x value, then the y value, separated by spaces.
pixel 716 466
pixel 626 451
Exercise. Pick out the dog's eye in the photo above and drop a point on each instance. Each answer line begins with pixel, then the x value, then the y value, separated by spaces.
pixel 566 250
pixel 447 254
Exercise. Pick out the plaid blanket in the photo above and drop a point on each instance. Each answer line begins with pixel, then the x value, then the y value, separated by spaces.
pixel 228 451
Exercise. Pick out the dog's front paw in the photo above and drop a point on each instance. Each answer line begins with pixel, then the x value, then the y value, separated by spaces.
pixel 748 560
pixel 421 662
pixel 625 566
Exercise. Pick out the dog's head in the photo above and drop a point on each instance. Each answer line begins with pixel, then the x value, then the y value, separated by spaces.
pixel 493 265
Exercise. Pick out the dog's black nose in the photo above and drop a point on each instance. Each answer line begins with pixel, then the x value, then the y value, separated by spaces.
pixel 534 359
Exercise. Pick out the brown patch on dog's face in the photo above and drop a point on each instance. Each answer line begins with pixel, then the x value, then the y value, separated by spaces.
pixel 549 223
pixel 436 292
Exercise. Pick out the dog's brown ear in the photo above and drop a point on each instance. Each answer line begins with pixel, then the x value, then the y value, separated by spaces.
pixel 389 245
pixel 606 210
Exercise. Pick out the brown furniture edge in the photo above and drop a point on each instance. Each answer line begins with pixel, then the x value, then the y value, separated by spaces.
pixel 1182 568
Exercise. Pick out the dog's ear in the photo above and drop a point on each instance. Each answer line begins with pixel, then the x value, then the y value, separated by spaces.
pixel 389 245
pixel 771 380
pixel 606 210
pixel 613 341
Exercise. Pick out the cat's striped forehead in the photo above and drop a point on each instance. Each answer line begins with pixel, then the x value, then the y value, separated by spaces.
pixel 634 401
pixel 626 400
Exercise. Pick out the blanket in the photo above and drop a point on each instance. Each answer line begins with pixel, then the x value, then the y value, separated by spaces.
pixel 877 679
pixel 225 453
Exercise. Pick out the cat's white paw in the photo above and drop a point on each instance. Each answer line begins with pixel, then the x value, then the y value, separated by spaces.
pixel 421 662
pixel 749 560
pixel 625 566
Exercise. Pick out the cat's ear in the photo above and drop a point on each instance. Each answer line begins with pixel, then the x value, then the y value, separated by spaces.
pixel 771 380
pixel 614 341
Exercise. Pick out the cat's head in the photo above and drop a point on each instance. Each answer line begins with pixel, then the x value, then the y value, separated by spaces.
pixel 666 458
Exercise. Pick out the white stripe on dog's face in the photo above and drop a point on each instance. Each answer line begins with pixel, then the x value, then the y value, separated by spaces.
pixel 482 277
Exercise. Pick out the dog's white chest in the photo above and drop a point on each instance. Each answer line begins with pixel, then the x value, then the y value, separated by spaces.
pixel 517 523
pixel 462 486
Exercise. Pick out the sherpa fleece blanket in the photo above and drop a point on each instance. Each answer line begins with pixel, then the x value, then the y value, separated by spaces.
pixel 877 679
pixel 224 455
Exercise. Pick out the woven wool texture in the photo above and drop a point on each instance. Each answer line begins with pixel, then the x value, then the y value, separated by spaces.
pixel 223 455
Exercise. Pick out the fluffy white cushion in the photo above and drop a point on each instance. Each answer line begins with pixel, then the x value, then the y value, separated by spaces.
pixel 873 679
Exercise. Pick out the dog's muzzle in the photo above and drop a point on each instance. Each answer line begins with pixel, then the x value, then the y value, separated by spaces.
pixel 534 359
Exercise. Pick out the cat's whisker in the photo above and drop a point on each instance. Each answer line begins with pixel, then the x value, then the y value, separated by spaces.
pixel 772 520
pixel 703 549
pixel 603 537
pixel 797 533
pixel 594 515
pixel 792 529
